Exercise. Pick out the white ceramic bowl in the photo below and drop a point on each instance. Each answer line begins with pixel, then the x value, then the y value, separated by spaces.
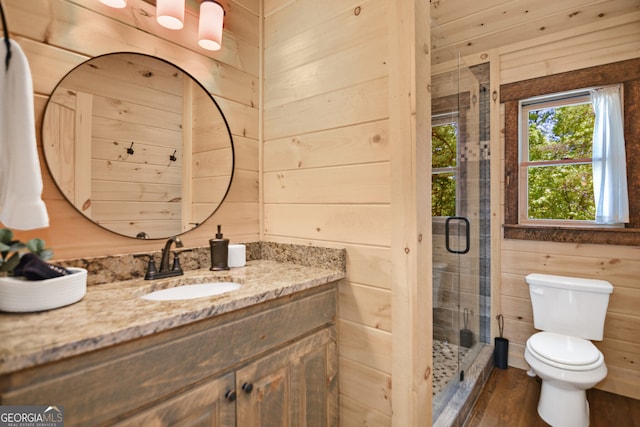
pixel 18 295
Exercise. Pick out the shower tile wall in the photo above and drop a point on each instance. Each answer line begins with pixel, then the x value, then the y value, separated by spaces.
pixel 482 73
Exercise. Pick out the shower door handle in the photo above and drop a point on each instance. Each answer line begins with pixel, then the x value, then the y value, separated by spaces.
pixel 467 234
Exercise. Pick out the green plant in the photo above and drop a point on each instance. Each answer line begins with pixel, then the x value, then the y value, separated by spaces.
pixel 12 250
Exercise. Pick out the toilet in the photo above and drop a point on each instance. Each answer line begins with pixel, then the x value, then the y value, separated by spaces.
pixel 438 268
pixel 570 312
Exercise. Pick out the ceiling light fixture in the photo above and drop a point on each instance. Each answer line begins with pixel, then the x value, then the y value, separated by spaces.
pixel 210 26
pixel 170 14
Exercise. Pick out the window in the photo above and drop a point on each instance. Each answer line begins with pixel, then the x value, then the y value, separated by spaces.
pixel 624 73
pixel 556 150
pixel 444 158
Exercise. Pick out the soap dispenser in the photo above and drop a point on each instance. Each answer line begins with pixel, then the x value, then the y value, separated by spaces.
pixel 219 252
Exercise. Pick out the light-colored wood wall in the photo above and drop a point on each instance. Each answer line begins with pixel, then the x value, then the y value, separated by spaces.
pixel 211 159
pixel 593 45
pixel 344 112
pixel 327 171
pixel 57 35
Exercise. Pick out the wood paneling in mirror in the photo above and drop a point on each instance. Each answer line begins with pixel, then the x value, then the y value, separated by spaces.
pixel 137 145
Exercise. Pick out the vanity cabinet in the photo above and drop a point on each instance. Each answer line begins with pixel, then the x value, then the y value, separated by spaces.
pixel 291 387
pixel 274 363
pixel 202 406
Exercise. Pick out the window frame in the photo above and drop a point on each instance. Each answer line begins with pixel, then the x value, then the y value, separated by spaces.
pixel 561 99
pixel 626 73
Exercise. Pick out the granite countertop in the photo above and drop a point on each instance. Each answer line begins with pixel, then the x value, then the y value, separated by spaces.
pixel 114 313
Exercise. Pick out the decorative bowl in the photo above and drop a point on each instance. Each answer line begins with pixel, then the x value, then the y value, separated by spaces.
pixel 18 295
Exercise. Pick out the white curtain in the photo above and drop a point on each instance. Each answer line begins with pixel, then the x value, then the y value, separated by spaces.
pixel 609 160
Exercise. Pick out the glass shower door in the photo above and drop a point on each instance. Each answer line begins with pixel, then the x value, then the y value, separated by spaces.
pixel 461 218
pixel 458 244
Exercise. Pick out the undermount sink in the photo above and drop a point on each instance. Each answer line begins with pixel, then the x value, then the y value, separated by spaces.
pixel 198 290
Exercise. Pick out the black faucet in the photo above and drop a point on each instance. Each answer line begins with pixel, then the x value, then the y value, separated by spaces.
pixel 165 270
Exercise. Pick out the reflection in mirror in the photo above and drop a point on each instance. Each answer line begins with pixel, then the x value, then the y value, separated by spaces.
pixel 137 145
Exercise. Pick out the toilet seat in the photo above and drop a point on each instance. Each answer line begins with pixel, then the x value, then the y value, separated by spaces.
pixel 564 351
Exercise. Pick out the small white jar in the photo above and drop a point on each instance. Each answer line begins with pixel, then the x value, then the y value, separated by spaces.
pixel 237 255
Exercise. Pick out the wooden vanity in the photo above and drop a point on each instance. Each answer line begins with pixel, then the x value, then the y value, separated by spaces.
pixel 264 356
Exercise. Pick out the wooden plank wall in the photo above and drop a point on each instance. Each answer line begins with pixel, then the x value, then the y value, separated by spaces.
pixel 486 25
pixel 327 171
pixel 592 45
pixel 212 157
pixel 57 35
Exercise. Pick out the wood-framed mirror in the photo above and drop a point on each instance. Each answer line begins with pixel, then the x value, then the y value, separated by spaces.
pixel 137 145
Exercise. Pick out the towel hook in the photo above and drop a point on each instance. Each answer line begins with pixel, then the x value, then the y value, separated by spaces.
pixel 7 42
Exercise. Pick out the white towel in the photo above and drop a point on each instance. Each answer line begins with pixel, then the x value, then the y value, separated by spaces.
pixel 21 205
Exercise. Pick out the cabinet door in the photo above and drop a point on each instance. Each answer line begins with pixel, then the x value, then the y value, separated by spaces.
pixel 292 387
pixel 204 406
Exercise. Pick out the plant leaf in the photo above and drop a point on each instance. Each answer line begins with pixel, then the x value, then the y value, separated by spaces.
pixel 6 235
pixel 36 245
pixel 45 254
pixel 16 245
pixel 11 263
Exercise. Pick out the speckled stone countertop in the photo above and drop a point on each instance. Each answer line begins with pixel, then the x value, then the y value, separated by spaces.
pixel 114 313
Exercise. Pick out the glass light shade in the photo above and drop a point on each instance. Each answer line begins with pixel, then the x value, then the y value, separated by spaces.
pixel 210 26
pixel 118 4
pixel 170 14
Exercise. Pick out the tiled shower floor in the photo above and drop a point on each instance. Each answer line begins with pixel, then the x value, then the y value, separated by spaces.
pixel 445 364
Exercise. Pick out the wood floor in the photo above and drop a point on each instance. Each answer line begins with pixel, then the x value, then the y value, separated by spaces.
pixel 510 399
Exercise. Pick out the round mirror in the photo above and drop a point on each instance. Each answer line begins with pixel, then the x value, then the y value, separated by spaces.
pixel 137 145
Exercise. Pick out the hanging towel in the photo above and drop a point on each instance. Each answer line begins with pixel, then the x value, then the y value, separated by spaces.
pixel 21 205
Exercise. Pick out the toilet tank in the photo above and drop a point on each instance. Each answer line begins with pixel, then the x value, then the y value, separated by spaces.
pixel 569 305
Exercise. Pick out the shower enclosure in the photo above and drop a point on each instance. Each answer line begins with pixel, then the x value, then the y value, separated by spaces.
pixel 461 220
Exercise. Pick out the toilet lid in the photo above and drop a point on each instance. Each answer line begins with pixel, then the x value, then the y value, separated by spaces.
pixel 564 349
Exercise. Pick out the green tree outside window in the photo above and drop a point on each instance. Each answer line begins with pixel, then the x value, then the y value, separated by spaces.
pixel 444 149
pixel 560 191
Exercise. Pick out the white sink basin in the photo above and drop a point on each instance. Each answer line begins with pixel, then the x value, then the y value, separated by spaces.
pixel 199 290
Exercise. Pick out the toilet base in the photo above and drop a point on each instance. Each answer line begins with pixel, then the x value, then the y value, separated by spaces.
pixel 561 407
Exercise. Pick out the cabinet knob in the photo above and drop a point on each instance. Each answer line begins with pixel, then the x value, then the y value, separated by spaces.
pixel 230 395
pixel 247 387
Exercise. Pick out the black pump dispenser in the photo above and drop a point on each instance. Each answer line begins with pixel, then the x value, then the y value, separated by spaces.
pixel 219 251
